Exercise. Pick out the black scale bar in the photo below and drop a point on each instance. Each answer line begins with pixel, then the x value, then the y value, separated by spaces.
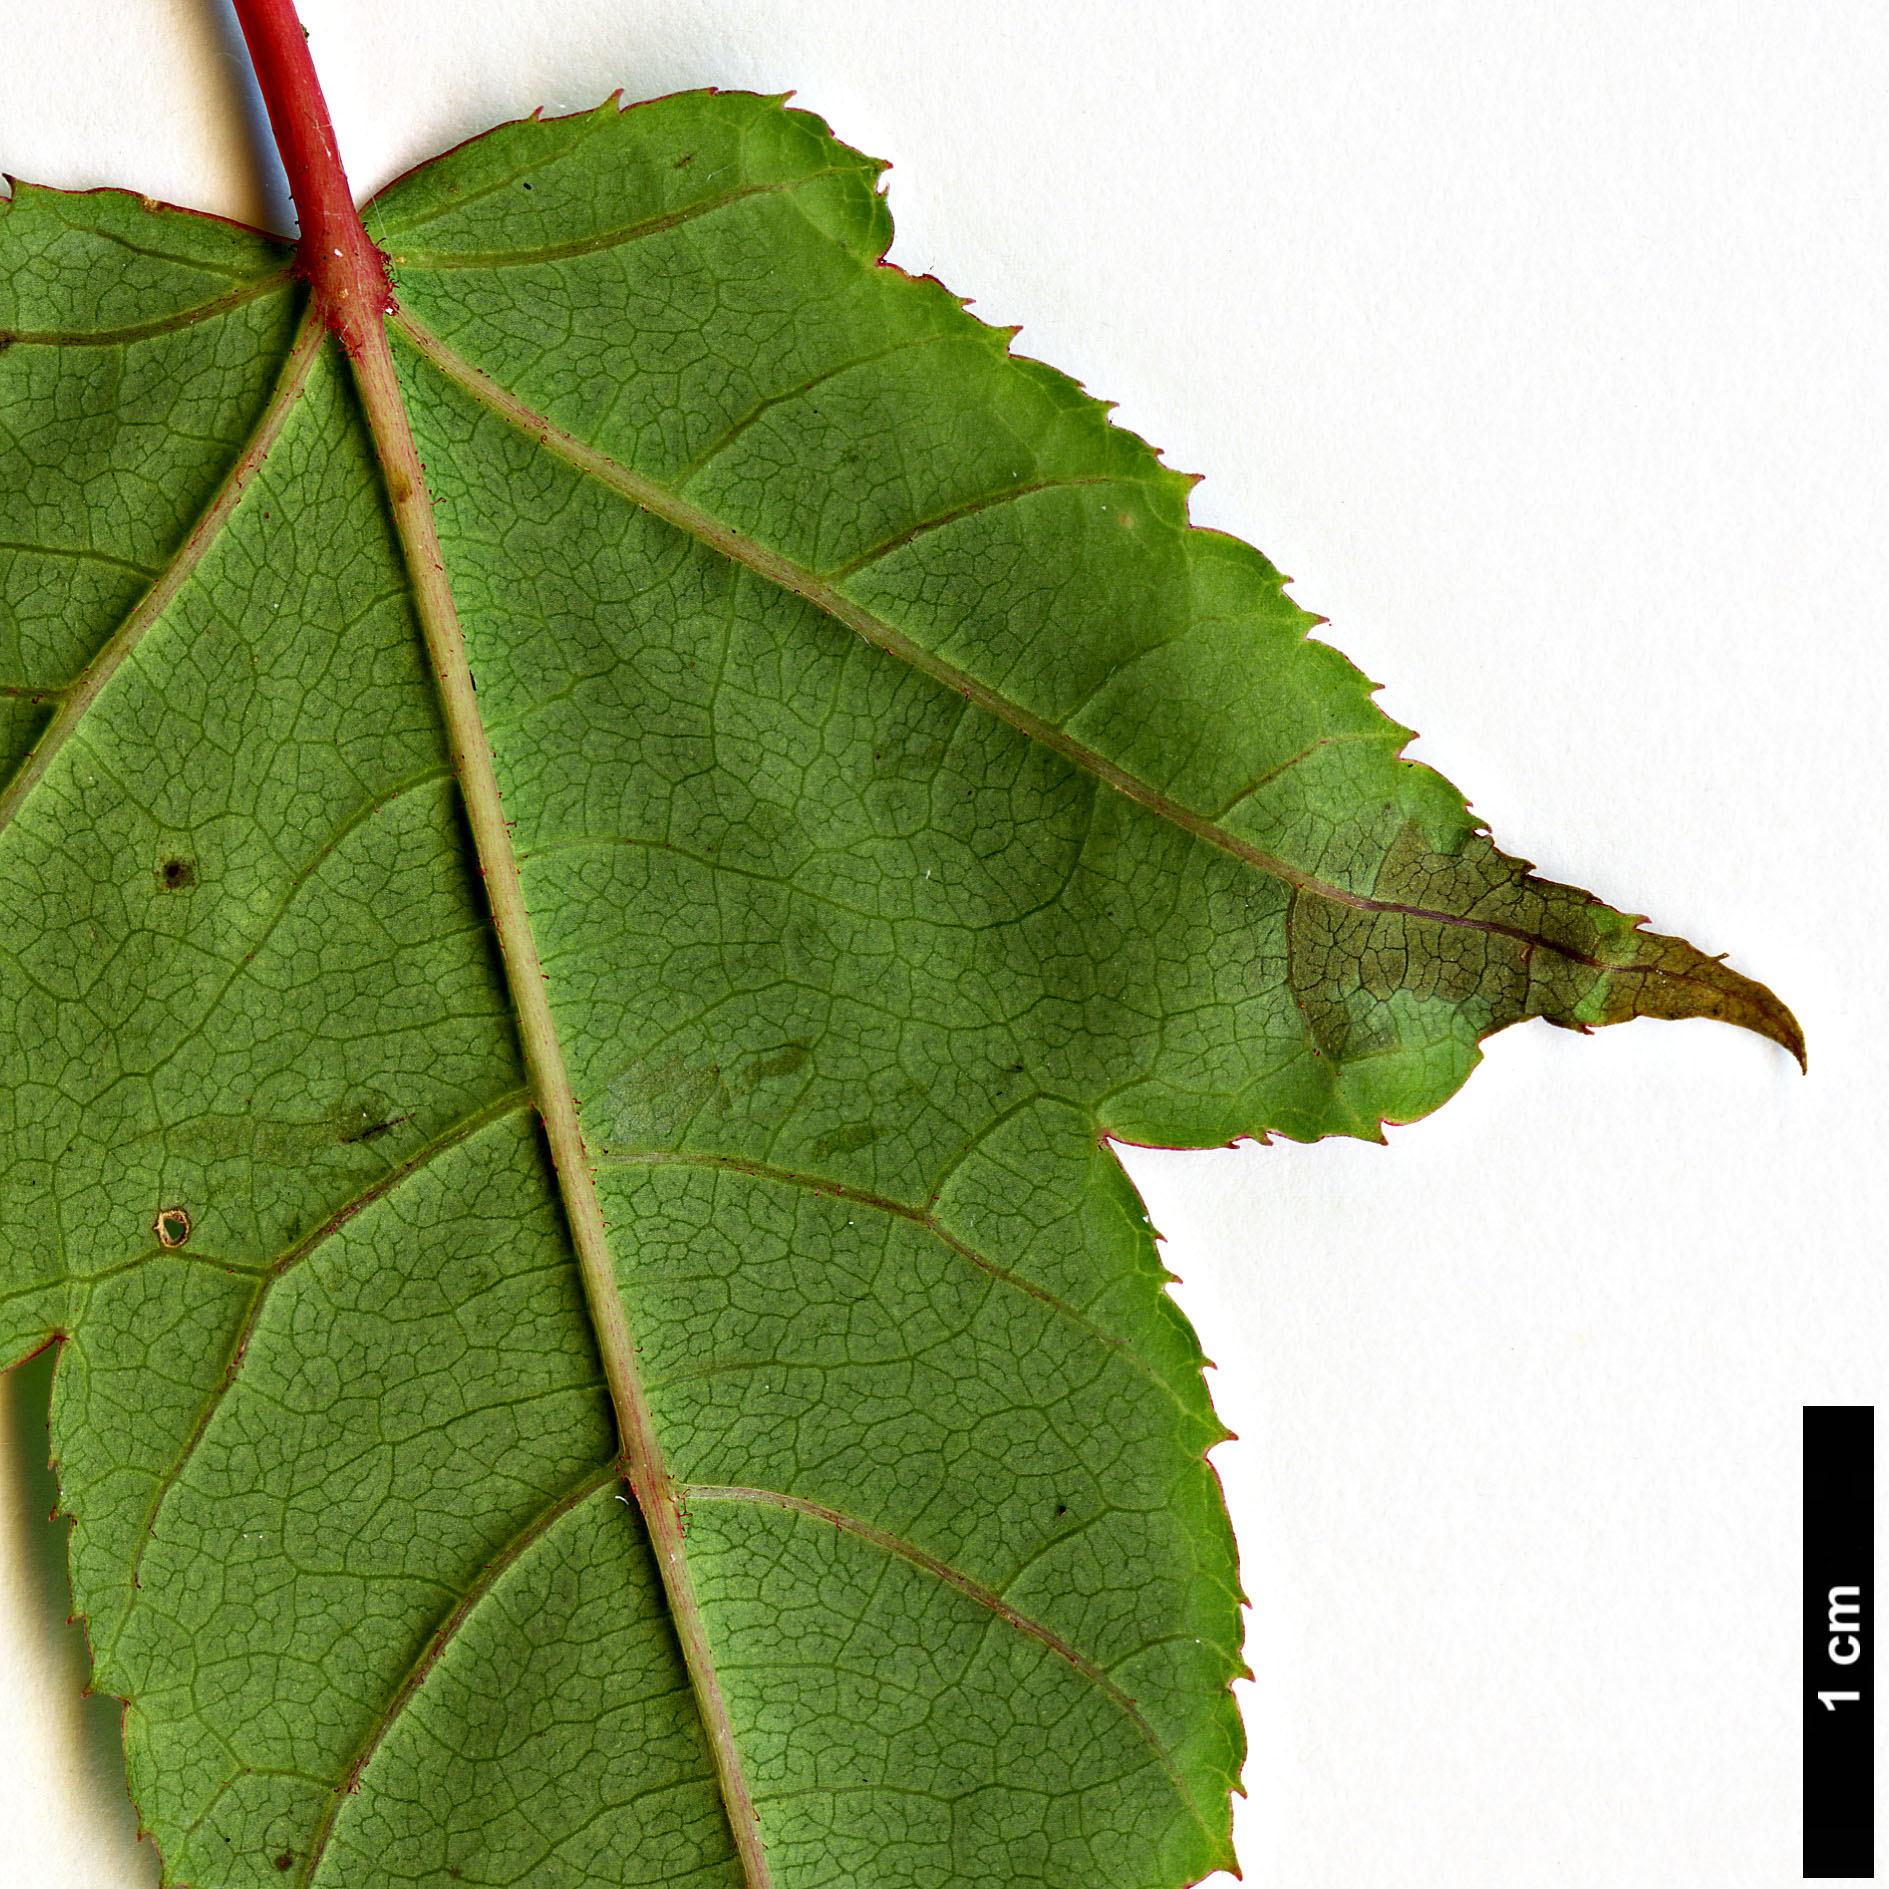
pixel 1839 1641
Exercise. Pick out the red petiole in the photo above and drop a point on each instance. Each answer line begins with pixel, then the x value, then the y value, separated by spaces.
pixel 347 273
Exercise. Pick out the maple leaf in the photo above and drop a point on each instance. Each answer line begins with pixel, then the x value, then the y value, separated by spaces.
pixel 790 974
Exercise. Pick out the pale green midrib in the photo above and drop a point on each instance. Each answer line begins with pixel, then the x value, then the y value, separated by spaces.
pixel 266 1280
pixel 92 680
pixel 927 1222
pixel 644 1466
pixel 145 330
pixel 482 1584
pixel 796 579
pixel 602 239
pixel 948 1576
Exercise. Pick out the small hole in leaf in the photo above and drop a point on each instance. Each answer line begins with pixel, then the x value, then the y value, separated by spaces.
pixel 172 1226
pixel 1062 1508
pixel 176 874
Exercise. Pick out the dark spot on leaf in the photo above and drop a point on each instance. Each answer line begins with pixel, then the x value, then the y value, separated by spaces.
pixel 370 1128
pixel 280 1141
pixel 846 1140
pixel 783 1062
pixel 286 1860
pixel 685 160
pixel 176 874
pixel 172 1226
pixel 1062 1508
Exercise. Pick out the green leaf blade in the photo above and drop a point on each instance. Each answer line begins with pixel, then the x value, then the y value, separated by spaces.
pixel 906 800
pixel 897 477
pixel 720 884
pixel 111 452
pixel 84 266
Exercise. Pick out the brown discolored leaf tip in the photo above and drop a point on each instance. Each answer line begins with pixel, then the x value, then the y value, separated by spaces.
pixel 1666 977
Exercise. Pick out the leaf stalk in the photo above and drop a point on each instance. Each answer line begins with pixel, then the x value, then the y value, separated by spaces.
pixel 343 267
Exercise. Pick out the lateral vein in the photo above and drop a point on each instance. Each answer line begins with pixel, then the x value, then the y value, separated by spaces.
pixel 973 1590
pixel 927 1222
pixel 415 1163
pixel 144 330
pixel 441 1637
pixel 603 239
pixel 184 561
pixel 819 591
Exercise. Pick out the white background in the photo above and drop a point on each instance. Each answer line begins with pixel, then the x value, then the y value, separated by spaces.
pixel 1544 347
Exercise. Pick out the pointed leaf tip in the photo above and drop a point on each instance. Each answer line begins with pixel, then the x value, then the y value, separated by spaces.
pixel 1670 979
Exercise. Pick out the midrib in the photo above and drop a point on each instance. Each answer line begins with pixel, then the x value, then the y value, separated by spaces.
pixel 644 1466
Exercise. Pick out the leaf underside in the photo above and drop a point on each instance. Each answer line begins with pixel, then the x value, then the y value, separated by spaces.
pixel 906 799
